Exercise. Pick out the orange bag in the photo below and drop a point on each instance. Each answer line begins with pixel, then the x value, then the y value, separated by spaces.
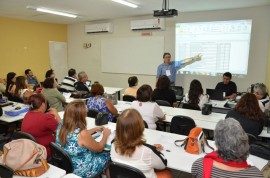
pixel 195 141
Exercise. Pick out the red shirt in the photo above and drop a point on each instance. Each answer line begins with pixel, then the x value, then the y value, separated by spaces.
pixel 41 126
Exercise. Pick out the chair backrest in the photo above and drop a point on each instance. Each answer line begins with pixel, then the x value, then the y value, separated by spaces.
pixel 63 90
pixel 163 103
pixel 60 158
pixel 251 138
pixel 20 134
pixel 118 170
pixel 182 125
pixel 5 172
pixel 145 124
pixel 128 98
pixel 179 92
pixel 92 113
pixel 189 106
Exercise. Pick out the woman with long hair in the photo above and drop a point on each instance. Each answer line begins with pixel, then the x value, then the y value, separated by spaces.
pixel 130 148
pixel 11 79
pixel 40 124
pixel 72 135
pixel 195 96
pixel 249 114
pixel 163 91
pixel 21 89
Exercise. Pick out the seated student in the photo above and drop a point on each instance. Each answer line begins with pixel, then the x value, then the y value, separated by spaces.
pixel 11 79
pixel 150 111
pixel 2 86
pixel 132 89
pixel 227 86
pixel 249 114
pixel 32 80
pixel 163 91
pixel 39 124
pixel 259 90
pixel 195 96
pixel 69 81
pixel 81 84
pixel 52 95
pixel 21 89
pixel 72 135
pixel 98 102
pixel 131 149
pixel 230 158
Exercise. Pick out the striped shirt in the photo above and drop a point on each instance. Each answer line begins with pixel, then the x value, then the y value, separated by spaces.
pixel 68 83
pixel 197 171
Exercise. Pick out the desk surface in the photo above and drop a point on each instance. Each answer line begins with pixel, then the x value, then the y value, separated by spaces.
pixel 177 157
pixel 204 121
pixel 10 119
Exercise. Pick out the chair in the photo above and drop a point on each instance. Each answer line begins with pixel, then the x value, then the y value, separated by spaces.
pixel 5 172
pixel 163 103
pixel 182 125
pixel 60 158
pixel 118 170
pixel 145 124
pixel 19 135
pixel 189 106
pixel 179 92
pixel 128 98
pixel 16 99
pixel 251 138
pixel 92 113
pixel 63 90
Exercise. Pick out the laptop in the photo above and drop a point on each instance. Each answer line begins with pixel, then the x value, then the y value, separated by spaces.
pixel 215 94
pixel 88 83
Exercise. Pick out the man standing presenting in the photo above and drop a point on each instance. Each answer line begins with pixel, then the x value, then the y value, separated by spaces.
pixel 169 68
pixel 227 86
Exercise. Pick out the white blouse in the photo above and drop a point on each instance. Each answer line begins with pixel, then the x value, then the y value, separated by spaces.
pixel 150 112
pixel 203 99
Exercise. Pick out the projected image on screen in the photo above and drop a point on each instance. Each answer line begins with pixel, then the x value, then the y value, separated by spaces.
pixel 224 46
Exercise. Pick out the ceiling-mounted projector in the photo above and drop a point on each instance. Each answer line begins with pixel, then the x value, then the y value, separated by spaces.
pixel 165 12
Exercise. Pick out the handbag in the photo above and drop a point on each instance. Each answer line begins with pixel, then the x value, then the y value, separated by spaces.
pixel 260 149
pixel 25 157
pixel 207 109
pixel 101 118
pixel 195 142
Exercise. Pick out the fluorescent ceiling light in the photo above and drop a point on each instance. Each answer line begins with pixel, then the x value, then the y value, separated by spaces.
pixel 126 3
pixel 56 12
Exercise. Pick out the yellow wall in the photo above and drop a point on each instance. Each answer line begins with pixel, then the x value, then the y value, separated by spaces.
pixel 24 44
pixel 268 71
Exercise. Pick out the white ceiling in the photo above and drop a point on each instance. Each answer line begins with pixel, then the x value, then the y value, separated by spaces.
pixel 91 10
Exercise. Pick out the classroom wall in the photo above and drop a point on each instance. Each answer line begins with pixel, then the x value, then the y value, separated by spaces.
pixel 268 71
pixel 89 59
pixel 24 44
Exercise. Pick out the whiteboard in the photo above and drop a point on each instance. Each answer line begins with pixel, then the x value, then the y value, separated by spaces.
pixel 132 55
pixel 58 59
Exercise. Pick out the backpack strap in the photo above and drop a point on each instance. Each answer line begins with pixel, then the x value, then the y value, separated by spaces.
pixel 207 144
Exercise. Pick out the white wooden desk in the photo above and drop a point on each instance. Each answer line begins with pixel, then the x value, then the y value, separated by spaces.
pixel 10 119
pixel 204 121
pixel 177 157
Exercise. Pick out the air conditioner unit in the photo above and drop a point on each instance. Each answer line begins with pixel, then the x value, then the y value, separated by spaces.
pixel 99 28
pixel 149 24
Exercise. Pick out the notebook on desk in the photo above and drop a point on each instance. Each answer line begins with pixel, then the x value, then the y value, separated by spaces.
pixel 215 94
